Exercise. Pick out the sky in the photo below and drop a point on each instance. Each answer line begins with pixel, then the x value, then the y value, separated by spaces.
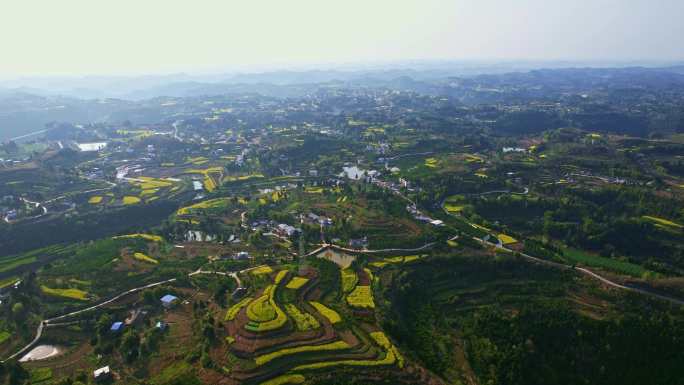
pixel 116 37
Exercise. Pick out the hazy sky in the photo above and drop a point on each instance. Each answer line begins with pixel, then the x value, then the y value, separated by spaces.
pixel 158 36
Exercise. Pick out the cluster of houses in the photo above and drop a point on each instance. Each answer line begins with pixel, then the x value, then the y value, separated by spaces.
pixel 418 215
pixel 239 256
pixel 315 219
pixel 168 301
pixel 272 227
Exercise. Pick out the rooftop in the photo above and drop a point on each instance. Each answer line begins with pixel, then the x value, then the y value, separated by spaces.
pixel 116 326
pixel 168 298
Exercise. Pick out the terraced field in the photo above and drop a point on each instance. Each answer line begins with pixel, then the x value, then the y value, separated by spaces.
pixel 285 332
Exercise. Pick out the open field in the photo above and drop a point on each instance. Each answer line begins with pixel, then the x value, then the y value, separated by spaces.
pixel 147 237
pixel 296 283
pixel 663 221
pixel 361 297
pixel 327 312
pixel 235 309
pixel 130 200
pixel 145 258
pixel 66 293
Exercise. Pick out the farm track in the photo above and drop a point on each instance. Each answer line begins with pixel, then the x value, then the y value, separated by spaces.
pixel 526 191
pixel 378 251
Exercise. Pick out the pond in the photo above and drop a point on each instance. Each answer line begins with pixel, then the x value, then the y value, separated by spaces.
pixel 42 352
pixel 343 260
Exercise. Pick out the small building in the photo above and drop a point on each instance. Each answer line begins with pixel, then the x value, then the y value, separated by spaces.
pixel 160 325
pixel 102 374
pixel 360 243
pixel 117 327
pixel 241 256
pixel 169 300
pixel 285 230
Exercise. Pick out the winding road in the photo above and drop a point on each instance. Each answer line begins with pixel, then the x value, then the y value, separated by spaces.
pixel 581 270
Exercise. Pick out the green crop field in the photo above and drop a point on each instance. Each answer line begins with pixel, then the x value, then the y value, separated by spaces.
pixel 361 297
pixel 66 293
pixel 235 309
pixel 349 280
pixel 327 312
pixel 578 256
pixel 304 321
pixel 266 358
pixel 296 283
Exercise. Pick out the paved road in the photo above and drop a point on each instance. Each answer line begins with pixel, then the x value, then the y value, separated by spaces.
pixel 233 275
pixel 407 155
pixel 379 251
pixel 35 204
pixel 30 134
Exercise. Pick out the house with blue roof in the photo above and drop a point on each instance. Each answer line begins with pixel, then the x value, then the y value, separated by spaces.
pixel 117 327
pixel 169 300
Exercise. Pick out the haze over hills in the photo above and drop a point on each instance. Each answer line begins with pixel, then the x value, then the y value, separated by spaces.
pixel 148 86
pixel 29 104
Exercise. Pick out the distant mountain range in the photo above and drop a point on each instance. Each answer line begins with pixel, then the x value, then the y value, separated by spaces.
pixel 26 105
pixel 180 85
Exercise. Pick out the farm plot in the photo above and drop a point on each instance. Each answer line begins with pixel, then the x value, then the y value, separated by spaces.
pixel 578 256
pixel 65 293
pixel 361 297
